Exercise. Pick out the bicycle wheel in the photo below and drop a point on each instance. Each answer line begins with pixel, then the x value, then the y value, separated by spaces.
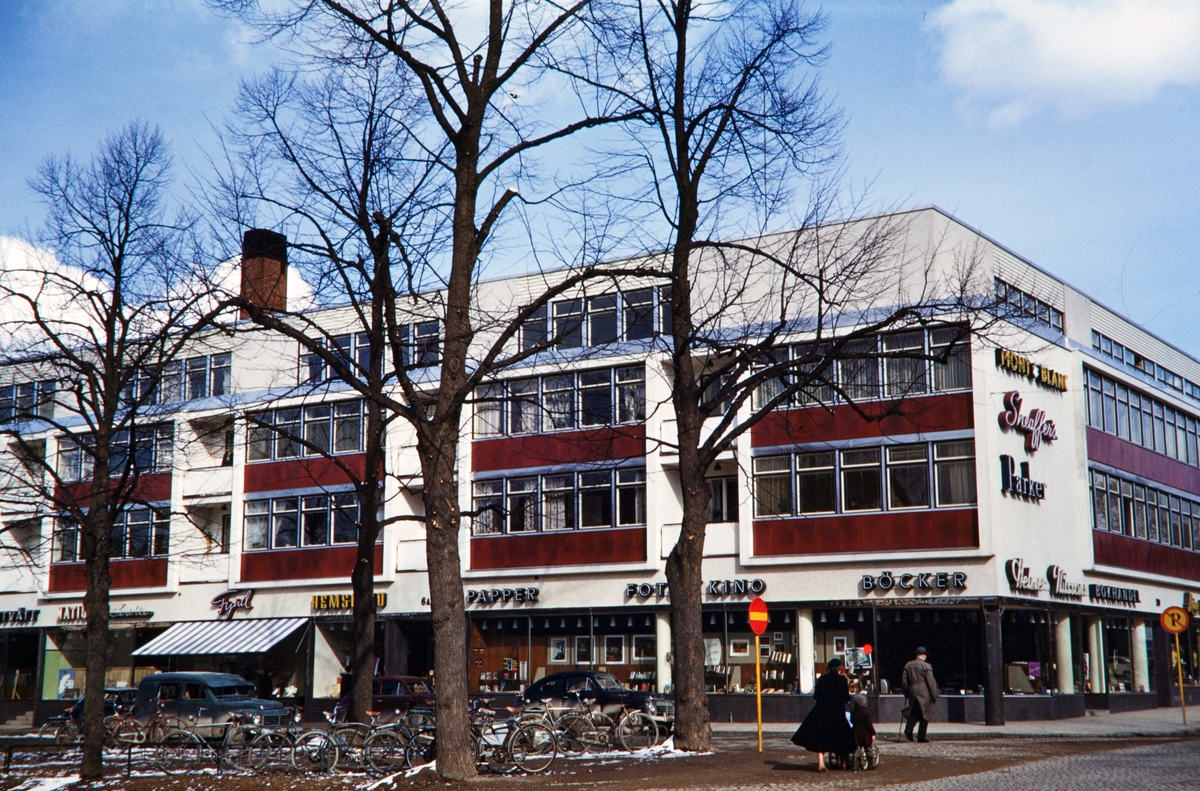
pixel 67 733
pixel 180 752
pixel 422 746
pixel 533 747
pixel 236 749
pixel 315 752
pixel 271 751
pixel 386 752
pixel 575 733
pixel 350 740
pixel 637 732
pixel 127 732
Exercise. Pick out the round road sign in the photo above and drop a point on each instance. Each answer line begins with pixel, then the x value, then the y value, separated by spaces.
pixel 758 615
pixel 1174 619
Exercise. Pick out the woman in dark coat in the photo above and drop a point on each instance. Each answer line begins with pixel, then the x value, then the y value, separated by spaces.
pixel 825 729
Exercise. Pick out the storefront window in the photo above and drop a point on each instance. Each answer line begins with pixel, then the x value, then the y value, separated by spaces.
pixel 908 476
pixel 860 480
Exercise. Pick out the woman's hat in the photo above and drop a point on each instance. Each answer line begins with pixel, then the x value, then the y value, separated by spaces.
pixel 834 664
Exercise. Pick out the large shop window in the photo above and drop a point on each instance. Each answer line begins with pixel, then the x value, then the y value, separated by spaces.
pixel 1131 509
pixel 599 320
pixel 315 520
pixel 891 366
pixel 141 451
pixel 853 480
pixel 1124 412
pixel 563 501
pixel 137 533
pixel 609 396
pixel 314 430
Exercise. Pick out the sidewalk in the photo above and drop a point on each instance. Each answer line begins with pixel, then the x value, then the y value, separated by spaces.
pixel 1156 723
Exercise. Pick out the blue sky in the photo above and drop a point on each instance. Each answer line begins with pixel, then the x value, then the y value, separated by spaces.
pixel 1066 130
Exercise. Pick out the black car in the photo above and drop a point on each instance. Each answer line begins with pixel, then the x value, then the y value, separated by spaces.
pixel 115 698
pixel 212 698
pixel 568 688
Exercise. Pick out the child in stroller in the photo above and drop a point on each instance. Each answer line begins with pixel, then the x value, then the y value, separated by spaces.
pixel 867 754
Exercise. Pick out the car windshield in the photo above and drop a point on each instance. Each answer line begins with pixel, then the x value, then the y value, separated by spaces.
pixel 238 691
pixel 419 688
pixel 608 682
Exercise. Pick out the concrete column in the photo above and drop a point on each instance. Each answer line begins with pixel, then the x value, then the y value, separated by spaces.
pixel 1064 658
pixel 1096 681
pixel 662 647
pixel 993 650
pixel 806 655
pixel 1141 663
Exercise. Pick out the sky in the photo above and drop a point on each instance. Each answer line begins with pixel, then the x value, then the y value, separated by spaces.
pixel 1063 129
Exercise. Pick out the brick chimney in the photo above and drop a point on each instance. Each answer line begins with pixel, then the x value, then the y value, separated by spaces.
pixel 264 269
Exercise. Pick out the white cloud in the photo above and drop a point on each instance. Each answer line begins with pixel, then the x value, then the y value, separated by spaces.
pixel 1022 55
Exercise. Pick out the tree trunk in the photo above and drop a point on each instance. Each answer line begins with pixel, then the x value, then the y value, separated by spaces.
pixel 362 583
pixel 95 604
pixel 455 758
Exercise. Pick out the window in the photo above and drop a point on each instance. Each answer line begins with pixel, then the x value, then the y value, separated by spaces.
pixel 904 363
pixel 287 522
pixel 568 323
pixel 908 476
pixel 312 431
pixel 816 482
pixel 75 460
pixel 1135 417
pixel 639 314
pixel 722 499
pixel 664 310
pixel 1130 509
pixel 488 505
pixel 772 486
pixel 860 480
pixel 427 348
pixel 819 391
pixel 858 370
pixel 533 329
pixel 954 345
pixel 1013 302
pixel 559 395
pixel 1122 354
pixel 523 407
pixel 631 497
pixel 954 467
pixel 773 386
pixel 522 505
pixel 144 450
pixel 595 391
pixel 595 499
pixel 489 410
pixel 590 398
pixel 220 374
pixel 602 320
pixel 631 395
pixel 136 533
pixel 558 502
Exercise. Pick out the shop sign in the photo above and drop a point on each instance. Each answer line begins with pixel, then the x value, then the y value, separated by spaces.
pixel 19 617
pixel 644 590
pixel 77 614
pixel 1061 586
pixel 1114 594
pixel 1019 485
pixel 929 580
pixel 343 601
pixel 1034 426
pixel 735 587
pixel 1021 579
pixel 1023 366
pixel 503 596
pixel 231 601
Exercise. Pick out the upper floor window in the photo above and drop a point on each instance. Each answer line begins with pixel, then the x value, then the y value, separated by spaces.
pixel 595 321
pixel 420 345
pixel 27 400
pixel 722 499
pixel 136 533
pixel 563 501
pixel 184 380
pixel 1012 301
pixel 315 430
pixel 1116 409
pixel 315 520
pixel 561 401
pixel 1124 355
pixel 141 451
pixel 891 477
pixel 1131 509
pixel 891 366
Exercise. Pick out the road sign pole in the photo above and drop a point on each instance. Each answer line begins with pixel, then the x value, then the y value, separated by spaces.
pixel 758 688
pixel 1182 691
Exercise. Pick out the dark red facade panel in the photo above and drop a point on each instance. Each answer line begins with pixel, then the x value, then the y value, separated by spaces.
pixel 294 564
pixel 131 573
pixel 567 447
pixel 1114 549
pixel 1123 455
pixel 568 548
pixel 302 473
pixel 154 488
pixel 888 418
pixel 886 532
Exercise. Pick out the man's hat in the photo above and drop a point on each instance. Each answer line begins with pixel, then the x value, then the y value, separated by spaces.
pixel 920 650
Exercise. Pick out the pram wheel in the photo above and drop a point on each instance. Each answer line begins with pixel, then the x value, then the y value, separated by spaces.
pixel 866 758
pixel 833 761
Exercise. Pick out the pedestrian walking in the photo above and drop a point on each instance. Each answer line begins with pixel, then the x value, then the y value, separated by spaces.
pixel 825 729
pixel 922 692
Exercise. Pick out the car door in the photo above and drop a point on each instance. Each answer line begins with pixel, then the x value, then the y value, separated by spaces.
pixel 169 699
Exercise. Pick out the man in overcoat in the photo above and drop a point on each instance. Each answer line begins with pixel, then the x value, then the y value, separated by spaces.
pixel 922 692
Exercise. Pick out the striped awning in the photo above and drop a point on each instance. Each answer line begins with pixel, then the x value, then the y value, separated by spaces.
pixel 221 637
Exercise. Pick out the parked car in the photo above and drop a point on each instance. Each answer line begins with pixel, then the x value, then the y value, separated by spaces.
pixel 209 697
pixel 114 698
pixel 391 695
pixel 592 687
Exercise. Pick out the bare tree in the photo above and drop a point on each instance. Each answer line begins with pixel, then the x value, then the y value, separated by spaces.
pixel 94 328
pixel 731 122
pixel 412 247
